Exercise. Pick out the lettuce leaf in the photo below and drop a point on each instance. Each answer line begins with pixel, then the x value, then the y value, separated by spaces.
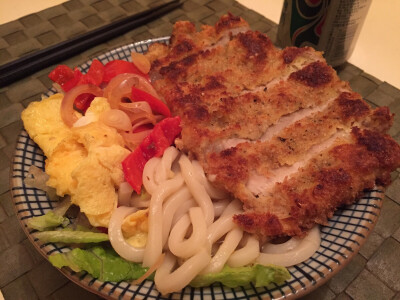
pixel 106 265
pixel 71 237
pixel 259 275
pixel 47 221
pixel 102 263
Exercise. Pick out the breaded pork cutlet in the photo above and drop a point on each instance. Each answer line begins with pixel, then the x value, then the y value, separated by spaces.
pixel 276 128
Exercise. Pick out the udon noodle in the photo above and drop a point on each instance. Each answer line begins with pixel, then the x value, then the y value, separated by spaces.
pixel 190 221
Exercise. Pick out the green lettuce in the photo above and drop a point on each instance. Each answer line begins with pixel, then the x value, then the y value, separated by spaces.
pixel 106 265
pixel 259 275
pixel 71 237
pixel 47 221
pixel 101 263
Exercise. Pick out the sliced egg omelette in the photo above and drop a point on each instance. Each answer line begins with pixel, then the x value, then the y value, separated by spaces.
pixel 83 162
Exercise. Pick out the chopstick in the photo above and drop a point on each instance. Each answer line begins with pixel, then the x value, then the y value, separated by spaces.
pixel 38 60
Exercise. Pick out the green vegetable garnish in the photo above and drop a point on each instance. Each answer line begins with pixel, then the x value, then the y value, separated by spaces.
pixel 71 237
pixel 259 275
pixel 48 221
pixel 104 264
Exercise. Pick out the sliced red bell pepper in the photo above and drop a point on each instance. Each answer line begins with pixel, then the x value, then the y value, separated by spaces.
pixel 68 79
pixel 73 81
pixel 156 105
pixel 82 102
pixel 154 145
pixel 61 74
pixel 115 67
pixel 96 72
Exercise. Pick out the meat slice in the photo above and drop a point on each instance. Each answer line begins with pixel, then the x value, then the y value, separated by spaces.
pixel 276 128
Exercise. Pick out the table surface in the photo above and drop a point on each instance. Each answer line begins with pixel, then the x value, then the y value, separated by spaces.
pixel 25 274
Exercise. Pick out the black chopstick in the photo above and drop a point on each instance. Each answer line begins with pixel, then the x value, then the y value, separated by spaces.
pixel 38 60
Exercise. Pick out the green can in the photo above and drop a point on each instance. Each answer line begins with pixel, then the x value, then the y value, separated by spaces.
pixel 331 26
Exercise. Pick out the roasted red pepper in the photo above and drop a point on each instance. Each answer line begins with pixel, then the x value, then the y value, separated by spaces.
pixel 61 74
pixel 95 73
pixel 156 105
pixel 82 102
pixel 160 138
pixel 68 78
pixel 73 81
pixel 115 67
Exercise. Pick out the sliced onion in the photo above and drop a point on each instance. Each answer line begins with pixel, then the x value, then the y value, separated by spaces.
pixel 120 87
pixel 136 107
pixel 116 118
pixel 124 194
pixel 117 240
pixel 67 104
pixel 141 62
pixel 132 140
pixel 137 116
pixel 139 122
pixel 151 270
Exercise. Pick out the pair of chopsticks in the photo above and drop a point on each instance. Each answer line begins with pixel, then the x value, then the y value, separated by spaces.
pixel 38 60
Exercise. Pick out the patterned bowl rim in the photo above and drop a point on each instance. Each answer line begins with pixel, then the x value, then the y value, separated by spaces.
pixel 342 237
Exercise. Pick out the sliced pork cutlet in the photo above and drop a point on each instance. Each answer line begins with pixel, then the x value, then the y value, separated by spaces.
pixel 276 128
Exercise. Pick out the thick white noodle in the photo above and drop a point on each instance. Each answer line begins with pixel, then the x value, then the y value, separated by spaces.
pixel 224 223
pixel 283 247
pixel 163 171
pixel 201 177
pixel 186 248
pixel 307 247
pixel 219 206
pixel 183 209
pixel 154 238
pixel 170 207
pixel 231 241
pixel 149 182
pixel 168 282
pixel 117 240
pixel 198 191
pixel 186 224
pixel 245 255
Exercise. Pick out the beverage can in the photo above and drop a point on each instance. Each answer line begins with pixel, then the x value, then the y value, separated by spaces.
pixel 331 26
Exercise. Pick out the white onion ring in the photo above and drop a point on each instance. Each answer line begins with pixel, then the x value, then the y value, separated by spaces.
pixel 307 247
pixel 121 86
pixel 67 104
pixel 117 119
pixel 136 107
pixel 117 240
